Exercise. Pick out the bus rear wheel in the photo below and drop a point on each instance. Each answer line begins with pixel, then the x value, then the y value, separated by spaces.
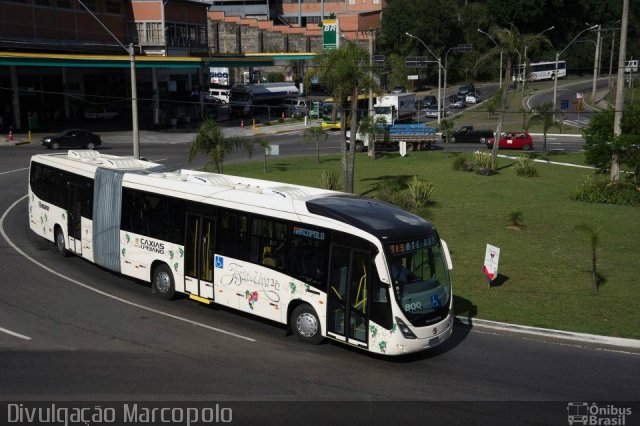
pixel 162 282
pixel 306 325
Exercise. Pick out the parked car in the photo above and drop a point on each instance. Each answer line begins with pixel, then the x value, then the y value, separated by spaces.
pixel 426 102
pixel 99 114
pixel 514 140
pixel 220 94
pixel 295 111
pixel 399 89
pixel 72 138
pixel 466 89
pixel 296 107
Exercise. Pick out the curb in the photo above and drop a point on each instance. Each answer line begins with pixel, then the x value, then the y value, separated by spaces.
pixel 538 160
pixel 548 332
pixel 13 143
pixel 556 135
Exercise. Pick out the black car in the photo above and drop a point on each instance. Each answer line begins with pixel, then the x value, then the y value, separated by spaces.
pixel 466 89
pixel 72 138
pixel 426 102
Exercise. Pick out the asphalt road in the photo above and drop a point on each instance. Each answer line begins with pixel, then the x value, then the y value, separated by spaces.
pixel 95 335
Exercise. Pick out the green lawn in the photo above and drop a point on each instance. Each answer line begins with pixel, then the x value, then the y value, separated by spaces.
pixel 545 266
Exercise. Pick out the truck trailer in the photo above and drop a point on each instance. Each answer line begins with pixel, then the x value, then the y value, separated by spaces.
pixel 417 136
pixel 248 99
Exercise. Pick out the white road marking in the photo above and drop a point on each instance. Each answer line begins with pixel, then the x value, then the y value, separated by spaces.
pixel 12 171
pixel 13 333
pixel 103 293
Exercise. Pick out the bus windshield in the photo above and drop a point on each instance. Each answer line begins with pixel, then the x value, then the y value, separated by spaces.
pixel 420 279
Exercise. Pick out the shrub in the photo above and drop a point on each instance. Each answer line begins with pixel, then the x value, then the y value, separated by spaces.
pixel 392 191
pixel 515 219
pixel 525 167
pixel 599 189
pixel 420 192
pixel 266 123
pixel 462 163
pixel 330 180
pixel 482 162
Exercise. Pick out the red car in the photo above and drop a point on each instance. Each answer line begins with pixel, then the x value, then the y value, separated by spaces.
pixel 514 140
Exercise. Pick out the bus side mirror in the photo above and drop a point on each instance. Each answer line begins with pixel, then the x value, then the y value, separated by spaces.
pixel 447 255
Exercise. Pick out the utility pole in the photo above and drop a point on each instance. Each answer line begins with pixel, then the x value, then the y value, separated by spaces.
pixel 596 65
pixel 134 92
pixel 617 118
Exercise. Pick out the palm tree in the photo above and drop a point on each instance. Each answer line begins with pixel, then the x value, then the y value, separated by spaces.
pixel 510 42
pixel 345 72
pixel 371 129
pixel 594 240
pixel 317 133
pixel 544 114
pixel 266 146
pixel 446 126
pixel 210 140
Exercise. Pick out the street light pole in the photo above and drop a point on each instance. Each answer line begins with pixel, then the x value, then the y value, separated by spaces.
pixel 134 91
pixel 494 42
pixel 555 74
pixel 524 64
pixel 439 60
pixel 596 62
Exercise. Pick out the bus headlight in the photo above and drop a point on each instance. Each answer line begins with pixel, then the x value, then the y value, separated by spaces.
pixel 406 331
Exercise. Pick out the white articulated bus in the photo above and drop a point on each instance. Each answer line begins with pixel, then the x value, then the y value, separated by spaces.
pixel 328 264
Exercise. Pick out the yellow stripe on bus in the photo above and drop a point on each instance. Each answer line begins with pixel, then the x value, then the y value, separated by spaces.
pixel 199 299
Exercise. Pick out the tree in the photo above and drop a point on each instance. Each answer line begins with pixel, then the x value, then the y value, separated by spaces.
pixel 510 43
pixel 266 146
pixel 317 133
pixel 446 126
pixel 210 140
pixel 345 72
pixel 372 129
pixel 594 240
pixel 600 143
pixel 544 114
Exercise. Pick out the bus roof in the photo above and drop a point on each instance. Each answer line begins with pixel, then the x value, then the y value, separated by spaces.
pixel 385 221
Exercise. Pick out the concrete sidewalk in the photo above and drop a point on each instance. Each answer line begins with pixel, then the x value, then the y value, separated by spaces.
pixel 170 136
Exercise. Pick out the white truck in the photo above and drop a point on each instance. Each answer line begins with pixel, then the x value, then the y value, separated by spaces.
pixel 395 108
pixel 246 100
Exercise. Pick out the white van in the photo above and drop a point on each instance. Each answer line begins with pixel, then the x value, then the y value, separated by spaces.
pixel 220 94
pixel 631 66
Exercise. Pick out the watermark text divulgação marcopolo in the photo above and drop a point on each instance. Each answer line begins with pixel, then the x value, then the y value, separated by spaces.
pixel 127 413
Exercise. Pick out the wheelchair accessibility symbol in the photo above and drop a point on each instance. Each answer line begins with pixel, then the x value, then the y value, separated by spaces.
pixel 220 262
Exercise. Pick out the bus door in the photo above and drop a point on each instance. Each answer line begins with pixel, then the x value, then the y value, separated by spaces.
pixel 348 301
pixel 199 255
pixel 75 201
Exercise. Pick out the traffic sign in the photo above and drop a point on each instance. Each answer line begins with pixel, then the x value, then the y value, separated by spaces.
pixel 412 77
pixel 378 59
pixel 416 61
pixel 564 104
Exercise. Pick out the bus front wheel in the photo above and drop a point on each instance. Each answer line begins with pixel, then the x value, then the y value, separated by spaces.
pixel 162 282
pixel 61 247
pixel 306 325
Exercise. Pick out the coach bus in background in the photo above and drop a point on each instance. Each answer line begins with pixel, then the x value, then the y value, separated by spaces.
pixel 540 71
pixel 328 264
